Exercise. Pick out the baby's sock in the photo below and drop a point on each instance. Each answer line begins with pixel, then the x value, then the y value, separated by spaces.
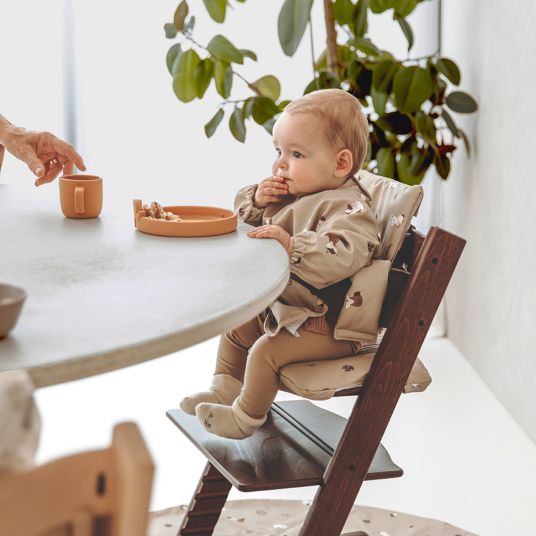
pixel 224 390
pixel 227 421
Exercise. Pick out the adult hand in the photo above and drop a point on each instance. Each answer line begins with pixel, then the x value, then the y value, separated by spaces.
pixel 273 231
pixel 270 190
pixel 45 154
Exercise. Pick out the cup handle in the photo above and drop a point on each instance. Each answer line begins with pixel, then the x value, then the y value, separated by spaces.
pixel 79 207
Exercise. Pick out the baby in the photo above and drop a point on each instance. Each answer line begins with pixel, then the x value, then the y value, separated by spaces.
pixel 319 212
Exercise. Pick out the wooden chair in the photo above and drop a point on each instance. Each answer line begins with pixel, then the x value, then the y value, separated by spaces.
pixel 98 493
pixel 302 444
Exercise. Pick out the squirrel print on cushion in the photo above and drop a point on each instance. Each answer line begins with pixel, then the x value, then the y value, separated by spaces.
pixel 354 301
pixel 396 221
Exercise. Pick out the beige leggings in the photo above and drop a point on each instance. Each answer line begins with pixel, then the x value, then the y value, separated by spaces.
pixel 251 356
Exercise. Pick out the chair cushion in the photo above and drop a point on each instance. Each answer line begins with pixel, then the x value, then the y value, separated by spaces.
pixel 320 380
pixel 395 205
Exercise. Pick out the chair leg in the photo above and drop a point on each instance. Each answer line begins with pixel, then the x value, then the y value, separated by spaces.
pixel 206 504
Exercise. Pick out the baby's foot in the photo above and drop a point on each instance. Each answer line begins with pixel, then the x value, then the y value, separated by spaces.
pixel 227 421
pixel 224 390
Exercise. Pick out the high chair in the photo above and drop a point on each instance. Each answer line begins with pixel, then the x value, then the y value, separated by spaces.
pixel 98 493
pixel 304 445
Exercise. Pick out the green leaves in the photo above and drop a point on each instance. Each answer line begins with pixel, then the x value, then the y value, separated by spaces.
pixel 325 80
pixel 383 75
pixel 442 164
pixel 395 122
pixel 291 24
pixel 360 18
pixel 425 127
pixel 203 75
pixel 449 69
pixel 268 86
pixel 237 126
pixel 385 158
pixel 263 109
pixel 223 77
pixel 172 58
pixel 404 7
pixel 212 125
pixel 406 29
pixel 461 102
pixel 379 6
pixel 216 9
pixel 379 100
pixel 343 11
pixel 412 164
pixel 184 83
pixel 450 123
pixel 223 49
pixel 171 31
pixel 412 86
pixel 366 46
pixel 248 54
pixel 180 15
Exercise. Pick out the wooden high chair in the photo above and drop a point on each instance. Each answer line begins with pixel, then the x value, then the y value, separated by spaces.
pixel 304 445
pixel 98 493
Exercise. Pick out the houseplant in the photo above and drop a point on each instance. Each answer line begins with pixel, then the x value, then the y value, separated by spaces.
pixel 407 101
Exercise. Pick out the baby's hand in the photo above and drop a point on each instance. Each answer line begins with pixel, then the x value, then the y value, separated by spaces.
pixel 273 231
pixel 270 190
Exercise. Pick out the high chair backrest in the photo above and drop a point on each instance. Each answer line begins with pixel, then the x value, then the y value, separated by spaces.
pixel 394 204
pixel 97 493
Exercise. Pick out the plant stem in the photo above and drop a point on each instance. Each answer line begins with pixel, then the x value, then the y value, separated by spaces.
pixel 250 86
pixel 331 39
pixel 312 49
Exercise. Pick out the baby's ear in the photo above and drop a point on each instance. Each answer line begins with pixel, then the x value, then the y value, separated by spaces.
pixel 345 162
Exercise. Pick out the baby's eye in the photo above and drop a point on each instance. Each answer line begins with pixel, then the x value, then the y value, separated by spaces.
pixel 278 151
pixel 296 154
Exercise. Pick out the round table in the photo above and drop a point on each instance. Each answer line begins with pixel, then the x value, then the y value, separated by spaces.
pixel 102 296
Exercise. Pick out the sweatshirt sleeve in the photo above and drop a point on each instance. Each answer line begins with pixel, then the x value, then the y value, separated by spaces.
pixel 342 244
pixel 245 208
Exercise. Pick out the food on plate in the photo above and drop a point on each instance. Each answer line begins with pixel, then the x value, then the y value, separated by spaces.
pixel 156 212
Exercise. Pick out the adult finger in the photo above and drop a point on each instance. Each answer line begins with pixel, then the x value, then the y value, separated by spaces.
pixel 29 157
pixel 68 150
pixel 68 167
pixel 51 174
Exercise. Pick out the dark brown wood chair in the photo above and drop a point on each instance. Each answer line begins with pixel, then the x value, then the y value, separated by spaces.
pixel 302 444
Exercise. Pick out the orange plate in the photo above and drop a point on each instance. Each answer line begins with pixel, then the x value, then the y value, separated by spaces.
pixel 196 221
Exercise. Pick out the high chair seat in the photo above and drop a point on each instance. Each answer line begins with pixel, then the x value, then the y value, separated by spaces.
pixel 320 380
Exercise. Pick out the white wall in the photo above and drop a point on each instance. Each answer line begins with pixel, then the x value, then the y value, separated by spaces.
pixel 31 75
pixel 490 198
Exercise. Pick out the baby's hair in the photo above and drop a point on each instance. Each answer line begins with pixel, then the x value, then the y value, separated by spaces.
pixel 345 121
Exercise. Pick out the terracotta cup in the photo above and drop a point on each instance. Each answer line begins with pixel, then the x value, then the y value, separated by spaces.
pixel 81 196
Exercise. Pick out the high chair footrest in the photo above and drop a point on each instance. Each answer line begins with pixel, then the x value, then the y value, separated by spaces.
pixel 291 450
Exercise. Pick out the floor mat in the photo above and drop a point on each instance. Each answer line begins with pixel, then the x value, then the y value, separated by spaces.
pixel 263 517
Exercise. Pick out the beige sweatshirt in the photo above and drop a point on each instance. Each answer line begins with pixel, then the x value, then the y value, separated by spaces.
pixel 335 267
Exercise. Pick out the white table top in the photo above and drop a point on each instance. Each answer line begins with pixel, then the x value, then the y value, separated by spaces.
pixel 102 295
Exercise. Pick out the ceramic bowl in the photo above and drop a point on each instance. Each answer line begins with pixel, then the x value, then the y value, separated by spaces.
pixel 11 302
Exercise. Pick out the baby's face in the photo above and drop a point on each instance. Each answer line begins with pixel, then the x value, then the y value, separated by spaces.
pixel 304 156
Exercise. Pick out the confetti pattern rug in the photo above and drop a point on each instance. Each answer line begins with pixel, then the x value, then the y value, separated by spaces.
pixel 284 518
